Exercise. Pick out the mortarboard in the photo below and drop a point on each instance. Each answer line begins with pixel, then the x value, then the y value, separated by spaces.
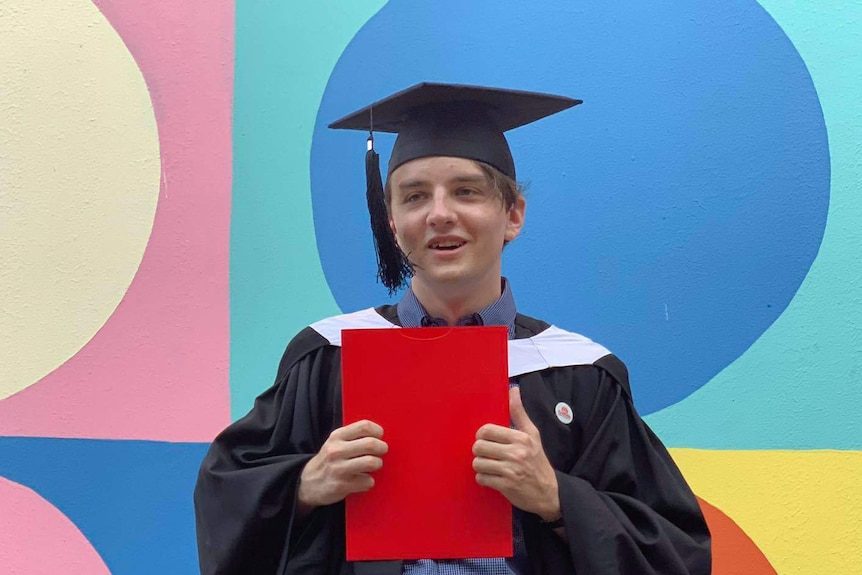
pixel 440 120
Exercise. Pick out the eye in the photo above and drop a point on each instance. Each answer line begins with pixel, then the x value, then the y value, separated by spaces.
pixel 466 192
pixel 413 197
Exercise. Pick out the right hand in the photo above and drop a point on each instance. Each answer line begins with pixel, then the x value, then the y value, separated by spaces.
pixel 342 466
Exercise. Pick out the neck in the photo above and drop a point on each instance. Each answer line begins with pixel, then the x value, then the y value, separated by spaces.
pixel 452 305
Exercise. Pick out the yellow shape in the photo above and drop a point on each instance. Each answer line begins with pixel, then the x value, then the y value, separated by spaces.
pixel 79 181
pixel 803 509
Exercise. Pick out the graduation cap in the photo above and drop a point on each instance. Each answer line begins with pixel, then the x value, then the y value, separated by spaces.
pixel 440 120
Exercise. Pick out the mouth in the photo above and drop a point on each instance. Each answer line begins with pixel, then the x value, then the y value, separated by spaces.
pixel 446 245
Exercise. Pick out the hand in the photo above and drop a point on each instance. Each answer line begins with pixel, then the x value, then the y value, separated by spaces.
pixel 513 462
pixel 342 466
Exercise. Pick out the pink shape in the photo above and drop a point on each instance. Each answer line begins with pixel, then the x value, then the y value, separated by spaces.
pixel 158 369
pixel 37 539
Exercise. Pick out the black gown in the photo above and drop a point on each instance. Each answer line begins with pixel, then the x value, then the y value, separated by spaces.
pixel 626 508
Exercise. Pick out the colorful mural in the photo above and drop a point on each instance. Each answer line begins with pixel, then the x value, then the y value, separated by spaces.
pixel 173 210
pixel 115 190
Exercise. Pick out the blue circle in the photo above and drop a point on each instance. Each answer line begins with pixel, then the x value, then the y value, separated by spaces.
pixel 671 217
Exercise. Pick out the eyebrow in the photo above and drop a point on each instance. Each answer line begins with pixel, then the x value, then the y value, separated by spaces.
pixel 420 183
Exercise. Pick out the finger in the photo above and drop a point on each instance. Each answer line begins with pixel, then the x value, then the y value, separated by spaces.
pixel 364 446
pixel 495 450
pixel 519 416
pixel 359 483
pixel 357 429
pixel 360 465
pixel 487 466
pixel 493 481
pixel 338 450
pixel 497 433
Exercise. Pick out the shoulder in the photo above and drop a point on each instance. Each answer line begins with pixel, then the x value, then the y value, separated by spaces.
pixel 553 346
pixel 526 326
pixel 371 318
pixel 543 346
pixel 327 333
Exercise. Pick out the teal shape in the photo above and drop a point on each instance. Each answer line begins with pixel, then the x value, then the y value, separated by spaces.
pixel 284 54
pixel 798 386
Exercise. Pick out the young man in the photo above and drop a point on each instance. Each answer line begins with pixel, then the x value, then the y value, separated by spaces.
pixel 594 490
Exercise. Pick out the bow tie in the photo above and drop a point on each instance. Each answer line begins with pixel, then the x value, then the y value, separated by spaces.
pixel 472 319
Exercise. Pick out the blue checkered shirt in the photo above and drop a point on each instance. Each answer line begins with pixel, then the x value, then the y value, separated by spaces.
pixel 501 312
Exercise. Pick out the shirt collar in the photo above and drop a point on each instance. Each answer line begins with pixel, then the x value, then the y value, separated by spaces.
pixel 501 312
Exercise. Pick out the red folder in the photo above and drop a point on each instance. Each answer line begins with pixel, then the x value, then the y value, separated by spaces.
pixel 430 389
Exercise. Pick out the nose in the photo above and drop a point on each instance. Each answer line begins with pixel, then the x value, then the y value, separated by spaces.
pixel 440 210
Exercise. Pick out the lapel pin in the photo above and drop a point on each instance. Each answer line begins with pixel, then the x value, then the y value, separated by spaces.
pixel 564 413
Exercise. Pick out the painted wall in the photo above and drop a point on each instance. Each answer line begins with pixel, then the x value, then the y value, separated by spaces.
pixel 115 191
pixel 173 210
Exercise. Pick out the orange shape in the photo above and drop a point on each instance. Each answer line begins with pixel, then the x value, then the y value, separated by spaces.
pixel 733 552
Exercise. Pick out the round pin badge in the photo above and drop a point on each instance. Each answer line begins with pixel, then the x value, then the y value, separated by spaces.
pixel 564 413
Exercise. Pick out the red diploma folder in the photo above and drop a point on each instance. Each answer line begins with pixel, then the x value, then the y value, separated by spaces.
pixel 430 389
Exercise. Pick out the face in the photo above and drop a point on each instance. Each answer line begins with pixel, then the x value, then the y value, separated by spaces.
pixel 452 224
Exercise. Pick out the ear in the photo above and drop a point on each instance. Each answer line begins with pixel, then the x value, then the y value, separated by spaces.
pixel 516 218
pixel 394 231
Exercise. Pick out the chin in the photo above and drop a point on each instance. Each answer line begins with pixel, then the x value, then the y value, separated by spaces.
pixel 446 275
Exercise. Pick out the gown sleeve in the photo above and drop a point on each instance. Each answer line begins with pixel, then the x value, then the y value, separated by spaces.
pixel 626 508
pixel 246 490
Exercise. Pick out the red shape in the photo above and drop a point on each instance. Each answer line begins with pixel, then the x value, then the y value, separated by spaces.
pixel 733 552
pixel 430 396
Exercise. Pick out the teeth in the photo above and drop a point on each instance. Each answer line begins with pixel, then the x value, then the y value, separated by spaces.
pixel 446 245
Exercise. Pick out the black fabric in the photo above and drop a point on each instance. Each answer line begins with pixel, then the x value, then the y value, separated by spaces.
pixel 626 508
pixel 433 119
pixel 459 130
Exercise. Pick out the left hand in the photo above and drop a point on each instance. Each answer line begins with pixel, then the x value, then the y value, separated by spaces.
pixel 513 462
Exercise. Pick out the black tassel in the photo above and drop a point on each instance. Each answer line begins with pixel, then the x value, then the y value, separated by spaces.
pixel 392 267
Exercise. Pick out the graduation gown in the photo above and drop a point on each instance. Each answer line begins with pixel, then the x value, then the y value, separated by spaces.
pixel 626 508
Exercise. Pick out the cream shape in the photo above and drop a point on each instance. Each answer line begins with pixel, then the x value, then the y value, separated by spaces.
pixel 79 182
